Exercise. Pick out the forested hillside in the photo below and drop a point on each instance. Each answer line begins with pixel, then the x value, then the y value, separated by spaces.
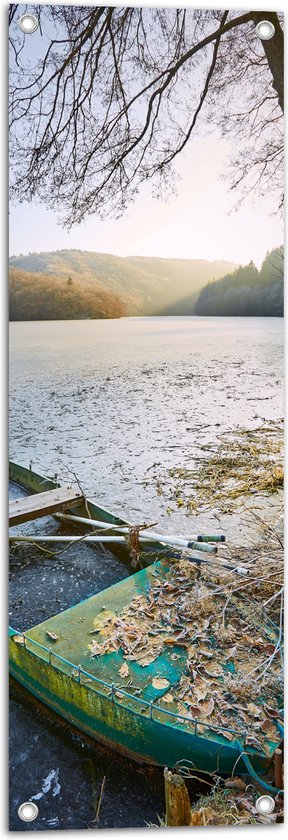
pixel 84 284
pixel 143 285
pixel 247 291
pixel 38 297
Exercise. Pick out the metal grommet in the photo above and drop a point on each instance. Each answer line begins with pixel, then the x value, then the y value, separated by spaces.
pixel 28 23
pixel 265 805
pixel 28 811
pixel 265 30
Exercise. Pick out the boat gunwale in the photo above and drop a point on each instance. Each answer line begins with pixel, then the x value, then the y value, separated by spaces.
pixel 151 706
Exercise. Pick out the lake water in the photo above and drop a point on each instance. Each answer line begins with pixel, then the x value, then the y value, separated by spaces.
pixel 117 402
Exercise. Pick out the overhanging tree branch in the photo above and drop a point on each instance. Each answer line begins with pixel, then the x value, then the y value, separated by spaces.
pixel 117 97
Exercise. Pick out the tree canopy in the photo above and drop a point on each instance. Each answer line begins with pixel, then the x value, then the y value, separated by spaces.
pixel 117 93
pixel 247 291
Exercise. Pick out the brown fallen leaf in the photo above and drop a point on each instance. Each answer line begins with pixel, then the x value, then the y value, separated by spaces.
pixel 271 711
pixel 205 652
pixel 195 711
pixel 52 636
pixel 160 682
pixel 213 669
pixel 124 670
pixel 147 661
pixel 267 648
pixel 270 730
pixel 95 648
pixel 225 733
pixel 251 741
pixel 207 707
pixel 19 640
pixel 236 783
pixel 201 817
pixel 201 625
pixel 254 710
pixel 176 641
pixel 167 698
pixel 198 694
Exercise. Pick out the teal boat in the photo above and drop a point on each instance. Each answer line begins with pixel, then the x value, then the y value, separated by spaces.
pixel 69 663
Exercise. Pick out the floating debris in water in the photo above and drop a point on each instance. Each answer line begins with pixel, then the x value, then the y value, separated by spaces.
pixel 242 463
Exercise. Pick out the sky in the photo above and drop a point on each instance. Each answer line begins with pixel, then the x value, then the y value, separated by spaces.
pixel 199 222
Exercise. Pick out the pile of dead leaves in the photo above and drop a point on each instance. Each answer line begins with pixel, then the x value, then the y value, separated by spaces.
pixel 217 625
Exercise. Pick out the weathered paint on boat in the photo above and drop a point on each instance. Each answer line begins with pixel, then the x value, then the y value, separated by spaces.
pixel 89 693
pixel 83 690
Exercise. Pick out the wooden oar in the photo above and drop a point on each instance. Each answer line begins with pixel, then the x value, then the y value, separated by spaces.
pixel 178 543
pixel 213 561
pixel 190 542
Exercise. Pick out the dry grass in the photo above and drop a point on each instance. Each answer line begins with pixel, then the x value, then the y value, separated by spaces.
pixel 228 806
pixel 242 463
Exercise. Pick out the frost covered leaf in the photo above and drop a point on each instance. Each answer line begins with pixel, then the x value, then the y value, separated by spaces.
pixel 254 710
pixel 199 692
pixel 19 640
pixel 105 617
pixel 252 742
pixel 206 652
pixel 52 636
pixel 270 730
pixel 207 708
pixel 226 734
pixel 213 669
pixel 124 670
pixel 271 711
pixel 95 648
pixel 160 682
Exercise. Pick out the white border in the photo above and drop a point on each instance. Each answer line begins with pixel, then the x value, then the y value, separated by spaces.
pixel 229 832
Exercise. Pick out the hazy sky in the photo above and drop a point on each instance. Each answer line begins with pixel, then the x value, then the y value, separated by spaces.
pixel 197 223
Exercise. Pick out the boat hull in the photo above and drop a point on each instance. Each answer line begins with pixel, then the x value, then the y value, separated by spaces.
pixel 115 725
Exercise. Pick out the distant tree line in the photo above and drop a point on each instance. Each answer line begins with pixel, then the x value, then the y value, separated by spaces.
pixel 247 291
pixel 40 297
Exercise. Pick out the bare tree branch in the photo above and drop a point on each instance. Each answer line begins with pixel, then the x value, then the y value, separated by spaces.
pixel 118 93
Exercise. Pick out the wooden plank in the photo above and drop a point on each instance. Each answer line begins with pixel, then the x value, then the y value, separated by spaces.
pixel 42 504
